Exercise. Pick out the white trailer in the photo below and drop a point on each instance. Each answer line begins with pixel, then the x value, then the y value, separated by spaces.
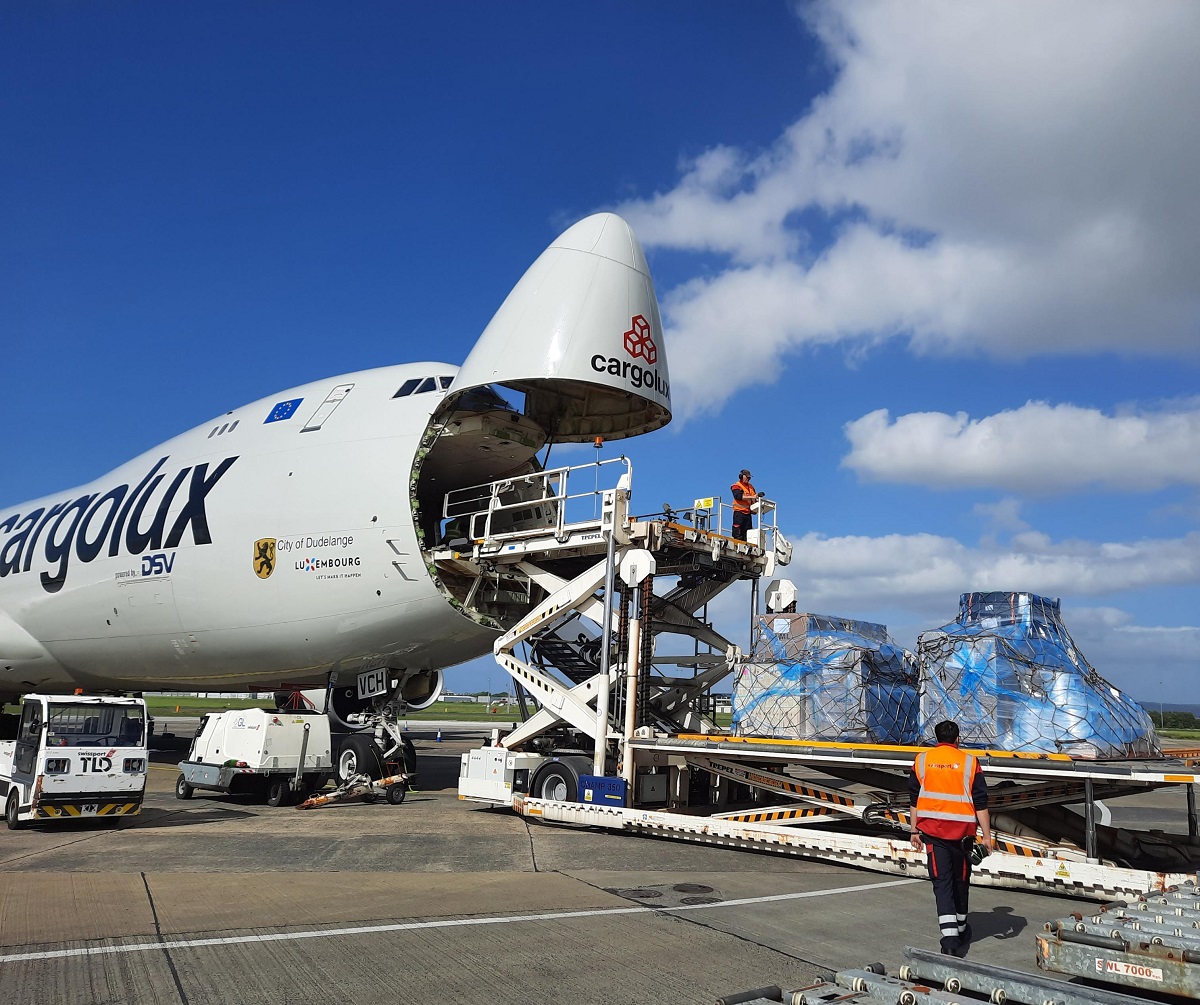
pixel 621 732
pixel 74 756
pixel 282 755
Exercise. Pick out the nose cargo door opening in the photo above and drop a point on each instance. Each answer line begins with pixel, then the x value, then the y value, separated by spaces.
pixel 575 352
pixel 581 338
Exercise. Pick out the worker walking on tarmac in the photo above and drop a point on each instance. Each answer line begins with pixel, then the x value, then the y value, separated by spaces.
pixel 743 498
pixel 948 794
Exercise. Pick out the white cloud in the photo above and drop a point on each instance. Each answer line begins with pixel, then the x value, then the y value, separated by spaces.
pixel 1152 662
pixel 924 574
pixel 912 583
pixel 1017 177
pixel 1076 447
pixel 1004 515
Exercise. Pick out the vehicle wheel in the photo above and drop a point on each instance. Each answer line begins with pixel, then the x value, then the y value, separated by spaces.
pixel 359 755
pixel 408 756
pixel 369 797
pixel 278 791
pixel 556 782
pixel 183 789
pixel 10 811
pixel 396 794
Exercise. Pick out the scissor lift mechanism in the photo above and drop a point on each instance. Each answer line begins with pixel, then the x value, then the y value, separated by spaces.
pixel 830 801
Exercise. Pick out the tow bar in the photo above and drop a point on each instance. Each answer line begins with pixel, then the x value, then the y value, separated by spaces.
pixel 393 788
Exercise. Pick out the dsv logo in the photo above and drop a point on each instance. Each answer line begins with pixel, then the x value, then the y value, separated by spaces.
pixel 158 564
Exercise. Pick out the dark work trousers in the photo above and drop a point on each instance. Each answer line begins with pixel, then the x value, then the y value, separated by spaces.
pixel 950 871
pixel 741 524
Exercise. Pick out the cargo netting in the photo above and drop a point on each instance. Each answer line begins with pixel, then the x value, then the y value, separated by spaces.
pixel 823 678
pixel 1009 673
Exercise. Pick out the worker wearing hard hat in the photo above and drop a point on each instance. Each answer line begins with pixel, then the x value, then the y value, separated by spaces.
pixel 948 795
pixel 744 497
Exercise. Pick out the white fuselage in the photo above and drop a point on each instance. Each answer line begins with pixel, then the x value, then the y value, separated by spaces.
pixel 157 576
pixel 282 542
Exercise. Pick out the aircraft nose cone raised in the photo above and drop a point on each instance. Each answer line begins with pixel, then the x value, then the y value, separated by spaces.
pixel 580 336
pixel 606 235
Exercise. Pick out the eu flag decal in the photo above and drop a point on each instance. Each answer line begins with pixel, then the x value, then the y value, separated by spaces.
pixel 284 410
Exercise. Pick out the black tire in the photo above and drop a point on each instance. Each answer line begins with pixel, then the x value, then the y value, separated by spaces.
pixel 359 754
pixel 556 782
pixel 183 788
pixel 10 811
pixel 369 797
pixel 396 794
pixel 278 791
pixel 408 754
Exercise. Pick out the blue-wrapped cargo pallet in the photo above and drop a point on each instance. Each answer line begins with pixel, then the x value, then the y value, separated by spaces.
pixel 817 677
pixel 1010 674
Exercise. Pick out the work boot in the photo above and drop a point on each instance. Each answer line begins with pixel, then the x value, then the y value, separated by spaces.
pixel 965 935
pixel 951 947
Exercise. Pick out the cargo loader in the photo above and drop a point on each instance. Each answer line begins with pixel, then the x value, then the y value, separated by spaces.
pixel 615 672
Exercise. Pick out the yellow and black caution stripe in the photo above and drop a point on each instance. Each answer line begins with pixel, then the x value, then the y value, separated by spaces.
pixel 63 810
pixel 773 781
pixel 769 816
pixel 1012 848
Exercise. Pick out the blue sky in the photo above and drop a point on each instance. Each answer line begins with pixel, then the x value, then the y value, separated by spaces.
pixel 928 270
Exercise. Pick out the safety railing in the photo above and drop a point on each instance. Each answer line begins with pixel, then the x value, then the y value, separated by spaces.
pixel 713 514
pixel 557 502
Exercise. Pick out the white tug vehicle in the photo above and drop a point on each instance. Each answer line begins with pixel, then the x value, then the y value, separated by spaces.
pixel 73 756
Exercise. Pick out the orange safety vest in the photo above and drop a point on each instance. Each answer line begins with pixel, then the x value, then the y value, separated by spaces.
pixel 748 496
pixel 946 774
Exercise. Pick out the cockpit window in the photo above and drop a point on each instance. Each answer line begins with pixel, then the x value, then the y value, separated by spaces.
pixel 407 387
pixel 423 385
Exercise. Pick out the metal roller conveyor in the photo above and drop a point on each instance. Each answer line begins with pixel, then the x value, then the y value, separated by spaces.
pixel 1127 947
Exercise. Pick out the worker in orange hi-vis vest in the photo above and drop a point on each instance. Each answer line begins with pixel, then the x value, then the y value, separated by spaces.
pixel 948 795
pixel 743 498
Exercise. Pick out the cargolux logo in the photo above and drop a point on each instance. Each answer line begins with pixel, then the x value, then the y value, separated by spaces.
pixel 113 523
pixel 638 342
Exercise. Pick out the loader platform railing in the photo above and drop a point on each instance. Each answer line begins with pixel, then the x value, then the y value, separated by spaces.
pixel 713 516
pixel 557 502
